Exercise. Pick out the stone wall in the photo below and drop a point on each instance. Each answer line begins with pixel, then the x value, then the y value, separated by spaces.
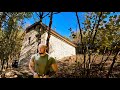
pixel 29 48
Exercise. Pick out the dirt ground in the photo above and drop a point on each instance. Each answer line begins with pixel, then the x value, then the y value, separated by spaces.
pixel 71 67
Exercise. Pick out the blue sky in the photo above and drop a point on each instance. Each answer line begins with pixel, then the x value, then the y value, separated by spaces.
pixel 63 21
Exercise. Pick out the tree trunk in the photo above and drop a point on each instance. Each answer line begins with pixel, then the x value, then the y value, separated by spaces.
pixel 84 61
pixel 49 31
pixel 95 56
pixel 3 62
pixel 111 67
pixel 7 63
pixel 40 28
pixel 96 28
pixel 88 68
pixel 80 30
pixel 103 56
pixel 102 64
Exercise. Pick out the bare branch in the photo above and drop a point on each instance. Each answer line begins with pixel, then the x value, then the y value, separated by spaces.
pixel 37 14
pixel 46 15
pixel 94 25
pixel 56 12
pixel 7 14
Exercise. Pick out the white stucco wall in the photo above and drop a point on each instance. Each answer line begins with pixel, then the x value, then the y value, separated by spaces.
pixel 59 48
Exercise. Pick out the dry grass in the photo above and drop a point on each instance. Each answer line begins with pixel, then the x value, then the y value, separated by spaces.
pixel 68 67
pixel 71 67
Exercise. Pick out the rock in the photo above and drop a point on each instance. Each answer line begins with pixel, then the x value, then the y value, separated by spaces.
pixel 15 76
pixel 18 73
pixel 2 75
pixel 9 74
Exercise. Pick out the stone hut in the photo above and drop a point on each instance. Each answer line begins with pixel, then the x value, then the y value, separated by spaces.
pixel 59 46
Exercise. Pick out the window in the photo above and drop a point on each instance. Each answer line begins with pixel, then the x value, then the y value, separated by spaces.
pixel 29 39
